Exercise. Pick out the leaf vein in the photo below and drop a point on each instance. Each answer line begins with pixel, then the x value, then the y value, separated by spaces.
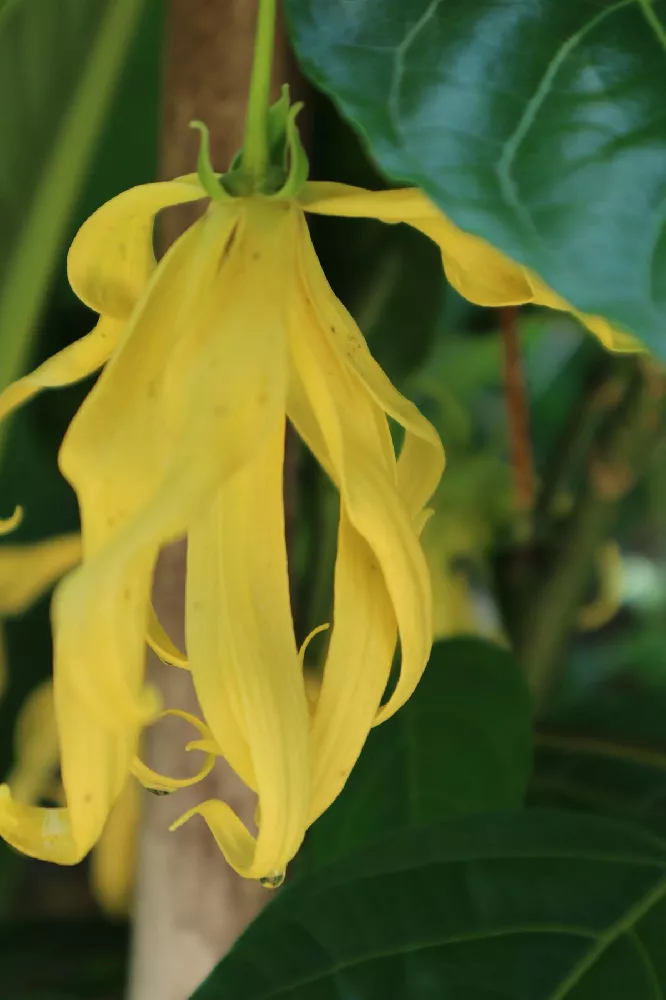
pixel 621 926
pixel 510 148
pixel 645 958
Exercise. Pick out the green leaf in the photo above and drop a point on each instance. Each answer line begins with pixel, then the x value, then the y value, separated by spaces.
pixel 461 744
pixel 59 63
pixel 538 125
pixel 525 906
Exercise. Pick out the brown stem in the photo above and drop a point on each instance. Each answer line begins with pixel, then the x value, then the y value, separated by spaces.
pixel 518 412
pixel 190 906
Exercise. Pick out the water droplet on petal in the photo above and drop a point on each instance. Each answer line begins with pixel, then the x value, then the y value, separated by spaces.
pixel 158 791
pixel 273 881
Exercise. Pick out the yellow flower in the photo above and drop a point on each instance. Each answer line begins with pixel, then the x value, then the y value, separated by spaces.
pixel 206 356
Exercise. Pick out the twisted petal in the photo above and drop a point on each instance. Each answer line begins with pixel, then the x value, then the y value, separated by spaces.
pixel 163 783
pixel 48 833
pixel 245 664
pixel 109 265
pixel 478 271
pixel 203 364
pixel 327 394
pixel 357 667
pixel 111 258
pixel 161 642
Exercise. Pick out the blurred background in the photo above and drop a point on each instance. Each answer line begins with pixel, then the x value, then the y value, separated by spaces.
pixel 72 137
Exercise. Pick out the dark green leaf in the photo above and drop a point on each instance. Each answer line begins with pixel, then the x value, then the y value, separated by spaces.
pixel 539 125
pixel 529 906
pixel 77 960
pixel 461 744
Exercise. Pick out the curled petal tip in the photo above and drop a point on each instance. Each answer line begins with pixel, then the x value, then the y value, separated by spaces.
pixel 9 524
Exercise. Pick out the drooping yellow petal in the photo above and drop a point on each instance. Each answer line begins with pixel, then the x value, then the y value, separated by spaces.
pixel 73 363
pixel 357 667
pixel 114 859
pixel 109 265
pixel 26 571
pixel 245 662
pixel 163 783
pixel 421 460
pixel 612 339
pixel 478 271
pixel 111 258
pixel 203 365
pixel 340 405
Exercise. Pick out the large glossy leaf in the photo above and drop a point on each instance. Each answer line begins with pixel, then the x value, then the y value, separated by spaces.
pixel 461 744
pixel 539 125
pixel 59 62
pixel 529 906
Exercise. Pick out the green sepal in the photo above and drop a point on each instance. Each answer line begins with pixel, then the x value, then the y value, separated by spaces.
pixel 278 117
pixel 209 180
pixel 296 164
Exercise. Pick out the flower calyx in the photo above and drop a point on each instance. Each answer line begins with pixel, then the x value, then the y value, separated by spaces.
pixel 288 166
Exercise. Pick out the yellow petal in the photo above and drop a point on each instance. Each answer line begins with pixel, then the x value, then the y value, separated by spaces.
pixel 113 862
pixel 162 783
pixel 187 399
pixel 612 339
pixel 57 834
pixel 72 364
pixel 421 460
pixel 476 269
pixel 109 265
pixel 26 571
pixel 161 642
pixel 9 524
pixel 111 258
pixel 35 746
pixel 38 832
pixel 338 402
pixel 245 662
pixel 473 266
pixel 357 667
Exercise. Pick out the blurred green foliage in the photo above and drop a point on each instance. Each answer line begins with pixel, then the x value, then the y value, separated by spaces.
pixel 43 954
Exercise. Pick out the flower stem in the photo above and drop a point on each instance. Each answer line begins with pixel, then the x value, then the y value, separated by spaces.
pixel 255 148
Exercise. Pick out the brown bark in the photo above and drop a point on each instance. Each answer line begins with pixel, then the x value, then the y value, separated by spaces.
pixel 190 906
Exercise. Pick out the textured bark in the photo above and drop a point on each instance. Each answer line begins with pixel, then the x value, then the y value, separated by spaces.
pixel 190 906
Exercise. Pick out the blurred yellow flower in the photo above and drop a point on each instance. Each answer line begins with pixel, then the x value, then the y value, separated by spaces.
pixel 27 571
